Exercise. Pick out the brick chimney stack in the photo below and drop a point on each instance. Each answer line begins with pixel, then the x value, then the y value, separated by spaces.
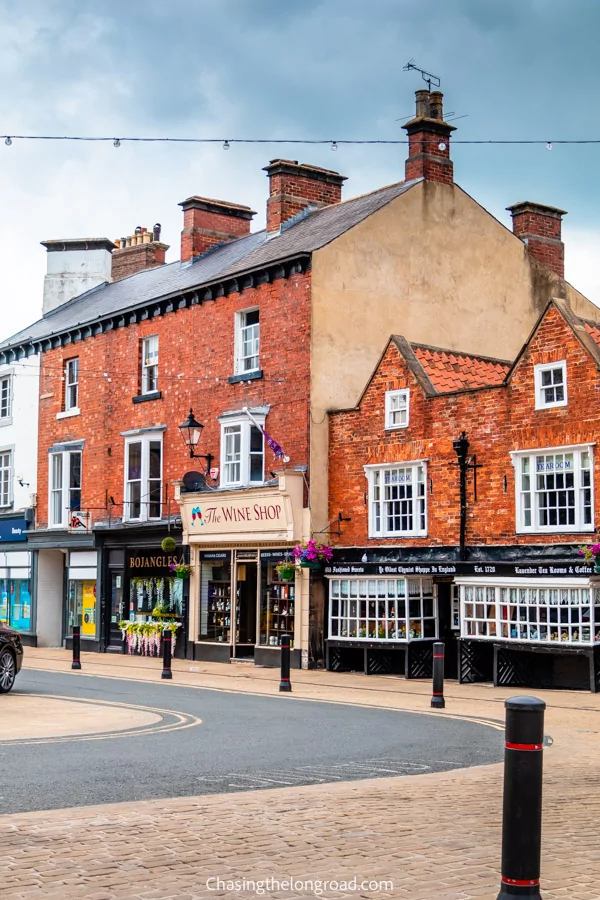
pixel 141 250
pixel 294 187
pixel 429 140
pixel 207 223
pixel 539 227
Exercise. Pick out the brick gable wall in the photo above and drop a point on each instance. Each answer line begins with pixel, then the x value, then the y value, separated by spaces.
pixel 497 421
pixel 197 343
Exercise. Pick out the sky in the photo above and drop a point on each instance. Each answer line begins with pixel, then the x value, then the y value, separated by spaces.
pixel 332 69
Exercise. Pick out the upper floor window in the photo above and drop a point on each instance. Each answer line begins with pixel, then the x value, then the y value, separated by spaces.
pixel 65 486
pixel 242 452
pixel 554 490
pixel 150 364
pixel 397 500
pixel 550 385
pixel 5 397
pixel 72 383
pixel 6 477
pixel 247 341
pixel 396 409
pixel 143 477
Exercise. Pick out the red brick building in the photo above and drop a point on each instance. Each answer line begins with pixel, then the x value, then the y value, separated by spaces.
pixel 492 560
pixel 261 335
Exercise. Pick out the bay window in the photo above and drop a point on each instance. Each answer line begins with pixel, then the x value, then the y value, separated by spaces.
pixel 397 499
pixel 554 489
pixel 242 450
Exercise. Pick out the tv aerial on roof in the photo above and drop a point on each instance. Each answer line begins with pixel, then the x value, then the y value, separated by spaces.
pixel 426 76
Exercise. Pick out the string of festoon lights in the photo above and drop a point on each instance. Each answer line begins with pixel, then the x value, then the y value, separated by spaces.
pixel 227 143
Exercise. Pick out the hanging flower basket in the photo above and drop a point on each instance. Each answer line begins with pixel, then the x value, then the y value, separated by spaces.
pixel 311 554
pixel 181 570
pixel 286 570
pixel 591 552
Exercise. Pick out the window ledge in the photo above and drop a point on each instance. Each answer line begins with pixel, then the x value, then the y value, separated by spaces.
pixel 142 398
pixel 395 427
pixel 246 376
pixel 67 413
pixel 542 406
pixel 6 420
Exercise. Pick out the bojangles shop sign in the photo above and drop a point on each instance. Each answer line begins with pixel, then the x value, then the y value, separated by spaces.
pixel 154 563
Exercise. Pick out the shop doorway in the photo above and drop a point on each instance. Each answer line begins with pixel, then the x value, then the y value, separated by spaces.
pixel 447 604
pixel 245 614
pixel 117 613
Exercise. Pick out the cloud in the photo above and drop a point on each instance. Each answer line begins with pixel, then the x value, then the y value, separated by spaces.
pixel 262 68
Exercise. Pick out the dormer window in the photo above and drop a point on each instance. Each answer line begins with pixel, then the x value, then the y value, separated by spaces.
pixel 550 385
pixel 396 409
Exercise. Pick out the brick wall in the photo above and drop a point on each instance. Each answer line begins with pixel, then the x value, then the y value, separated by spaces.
pixel 129 260
pixel 198 345
pixel 293 187
pixel 497 421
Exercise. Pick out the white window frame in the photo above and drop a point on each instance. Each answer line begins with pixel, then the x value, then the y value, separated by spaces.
pixel 62 491
pixel 6 477
pixel 245 425
pixel 390 400
pixel 72 384
pixel 540 389
pixel 544 611
pixel 372 608
pixel 6 391
pixel 145 439
pixel 375 475
pixel 240 340
pixel 527 492
pixel 149 381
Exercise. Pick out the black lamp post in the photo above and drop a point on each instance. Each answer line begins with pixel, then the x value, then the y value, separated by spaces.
pixel 191 432
pixel 461 448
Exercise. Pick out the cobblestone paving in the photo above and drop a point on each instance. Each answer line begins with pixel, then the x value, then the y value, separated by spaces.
pixel 435 836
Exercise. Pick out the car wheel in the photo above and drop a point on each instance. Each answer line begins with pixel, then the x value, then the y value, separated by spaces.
pixel 8 671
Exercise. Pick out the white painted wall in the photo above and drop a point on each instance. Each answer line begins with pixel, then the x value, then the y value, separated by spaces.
pixel 72 272
pixel 19 432
pixel 50 580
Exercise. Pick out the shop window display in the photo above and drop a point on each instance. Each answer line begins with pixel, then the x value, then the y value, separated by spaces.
pixel 15 603
pixel 531 613
pixel 382 609
pixel 215 600
pixel 277 606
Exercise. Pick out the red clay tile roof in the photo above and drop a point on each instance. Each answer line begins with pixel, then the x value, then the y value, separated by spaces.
pixel 456 371
pixel 593 330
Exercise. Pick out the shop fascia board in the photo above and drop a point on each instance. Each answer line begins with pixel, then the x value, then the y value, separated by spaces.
pixel 237 516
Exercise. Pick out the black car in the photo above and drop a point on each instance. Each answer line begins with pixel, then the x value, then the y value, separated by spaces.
pixel 11 657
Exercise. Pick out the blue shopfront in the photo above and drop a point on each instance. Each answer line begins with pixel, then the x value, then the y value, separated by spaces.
pixel 16 607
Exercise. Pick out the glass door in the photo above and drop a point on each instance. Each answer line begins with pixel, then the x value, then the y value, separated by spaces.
pixel 117 611
pixel 246 582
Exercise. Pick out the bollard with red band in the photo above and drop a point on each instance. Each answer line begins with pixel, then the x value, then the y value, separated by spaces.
pixel 285 684
pixel 437 699
pixel 76 664
pixel 167 638
pixel 522 808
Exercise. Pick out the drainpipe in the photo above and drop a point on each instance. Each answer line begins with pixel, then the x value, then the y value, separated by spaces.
pixel 461 448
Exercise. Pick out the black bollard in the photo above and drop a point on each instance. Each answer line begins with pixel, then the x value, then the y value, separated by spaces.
pixel 437 699
pixel 285 684
pixel 76 664
pixel 522 807
pixel 167 637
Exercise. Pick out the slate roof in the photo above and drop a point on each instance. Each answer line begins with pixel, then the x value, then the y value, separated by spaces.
pixel 246 254
pixel 451 371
